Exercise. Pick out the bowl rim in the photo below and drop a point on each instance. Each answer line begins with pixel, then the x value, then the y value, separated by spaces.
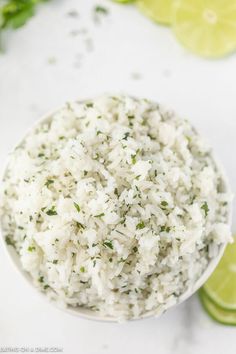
pixel 86 313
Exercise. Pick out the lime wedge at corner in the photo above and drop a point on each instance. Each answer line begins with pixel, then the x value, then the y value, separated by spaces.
pixel 221 286
pixel 158 10
pixel 217 313
pixel 206 27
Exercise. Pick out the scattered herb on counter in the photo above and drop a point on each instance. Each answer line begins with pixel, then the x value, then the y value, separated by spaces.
pixel 16 13
pixel 98 9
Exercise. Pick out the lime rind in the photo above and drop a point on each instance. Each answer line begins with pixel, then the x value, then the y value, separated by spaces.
pixel 221 286
pixel 215 312
pixel 159 11
pixel 207 28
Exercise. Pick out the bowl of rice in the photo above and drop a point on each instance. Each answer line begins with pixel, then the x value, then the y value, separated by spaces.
pixel 115 208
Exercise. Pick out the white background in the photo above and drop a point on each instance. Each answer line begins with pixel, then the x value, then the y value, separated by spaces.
pixel 47 63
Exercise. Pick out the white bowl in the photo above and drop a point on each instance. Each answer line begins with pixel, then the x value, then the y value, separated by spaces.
pixel 91 315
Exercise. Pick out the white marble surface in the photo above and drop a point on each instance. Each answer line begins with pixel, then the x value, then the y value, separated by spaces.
pixel 48 62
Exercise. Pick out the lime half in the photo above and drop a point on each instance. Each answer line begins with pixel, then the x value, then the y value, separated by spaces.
pixel 206 27
pixel 158 10
pixel 218 314
pixel 221 286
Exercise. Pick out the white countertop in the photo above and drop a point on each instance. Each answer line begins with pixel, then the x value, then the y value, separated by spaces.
pixel 52 60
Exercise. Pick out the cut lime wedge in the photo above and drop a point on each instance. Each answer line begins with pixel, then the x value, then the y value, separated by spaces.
pixel 221 286
pixel 217 313
pixel 158 10
pixel 206 27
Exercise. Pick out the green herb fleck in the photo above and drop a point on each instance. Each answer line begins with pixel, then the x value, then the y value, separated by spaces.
pixel 31 248
pixel 127 134
pixel 140 226
pixel 52 211
pixel 165 228
pixel 82 269
pixel 77 207
pixel 55 261
pixel 135 249
pixel 10 241
pixel 41 279
pixel 79 225
pixel 205 208
pixel 133 159
pixel 46 287
pixel 99 215
pixel 89 105
pixel 49 182
pixel 41 155
pixel 108 244
pixel 101 10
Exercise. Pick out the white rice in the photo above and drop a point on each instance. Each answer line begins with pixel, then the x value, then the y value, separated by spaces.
pixel 115 205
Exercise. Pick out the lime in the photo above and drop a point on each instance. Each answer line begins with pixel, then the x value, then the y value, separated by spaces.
pixel 221 286
pixel 206 27
pixel 157 10
pixel 218 314
pixel 123 1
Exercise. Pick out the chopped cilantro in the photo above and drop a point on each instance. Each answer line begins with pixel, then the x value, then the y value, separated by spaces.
pixel 205 208
pixel 108 244
pixel 49 182
pixel 165 228
pixel 10 241
pixel 77 207
pixel 133 159
pixel 52 211
pixel 41 279
pixel 82 269
pixel 100 10
pixel 55 261
pixel 135 249
pixel 99 215
pixel 127 134
pixel 89 105
pixel 79 225
pixel 31 248
pixel 140 226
